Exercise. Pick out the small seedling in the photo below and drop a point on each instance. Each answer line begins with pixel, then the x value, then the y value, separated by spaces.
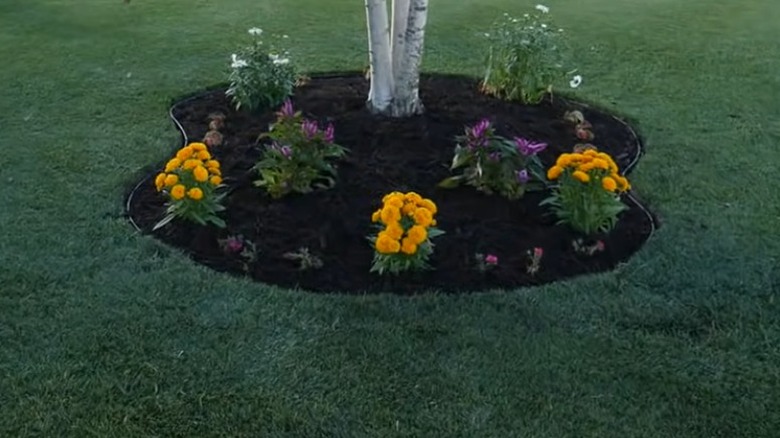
pixel 582 248
pixel 485 262
pixel 305 259
pixel 536 260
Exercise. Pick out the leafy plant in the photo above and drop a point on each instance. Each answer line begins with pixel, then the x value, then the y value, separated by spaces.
pixel 494 164
pixel 260 77
pixel 190 182
pixel 534 260
pixel 526 57
pixel 305 259
pixel 485 262
pixel 407 225
pixel 299 156
pixel 586 191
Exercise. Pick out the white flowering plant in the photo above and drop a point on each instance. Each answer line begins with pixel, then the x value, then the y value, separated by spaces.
pixel 527 56
pixel 261 75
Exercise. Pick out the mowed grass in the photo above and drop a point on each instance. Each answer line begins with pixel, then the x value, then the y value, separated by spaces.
pixel 104 332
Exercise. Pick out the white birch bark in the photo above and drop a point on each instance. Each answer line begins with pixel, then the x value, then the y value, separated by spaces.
pixel 406 98
pixel 398 37
pixel 380 96
pixel 395 56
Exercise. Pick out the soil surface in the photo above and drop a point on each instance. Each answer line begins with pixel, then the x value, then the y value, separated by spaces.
pixel 409 154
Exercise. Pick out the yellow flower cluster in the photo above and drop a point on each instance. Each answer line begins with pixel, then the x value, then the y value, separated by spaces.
pixel 590 165
pixel 186 173
pixel 407 218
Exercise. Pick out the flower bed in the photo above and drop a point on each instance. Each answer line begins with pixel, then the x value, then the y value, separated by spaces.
pixel 489 241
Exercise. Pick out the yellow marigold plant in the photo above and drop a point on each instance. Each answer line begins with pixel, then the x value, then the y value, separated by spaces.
pixel 586 191
pixel 406 223
pixel 190 181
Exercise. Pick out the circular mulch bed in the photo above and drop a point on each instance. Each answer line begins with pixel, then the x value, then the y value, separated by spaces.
pixel 410 154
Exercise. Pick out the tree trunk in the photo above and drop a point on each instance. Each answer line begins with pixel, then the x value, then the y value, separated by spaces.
pixel 380 96
pixel 395 57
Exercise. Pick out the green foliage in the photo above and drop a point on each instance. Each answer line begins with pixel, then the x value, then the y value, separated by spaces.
pixel 300 156
pixel 190 181
pixel 400 262
pixel 586 207
pixel 260 77
pixel 494 164
pixel 526 57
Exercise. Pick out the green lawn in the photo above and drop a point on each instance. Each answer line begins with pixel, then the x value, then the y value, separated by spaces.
pixel 104 332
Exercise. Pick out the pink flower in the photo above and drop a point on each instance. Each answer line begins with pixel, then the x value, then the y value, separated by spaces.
pixel 528 147
pixel 600 245
pixel 286 151
pixel 538 253
pixel 287 109
pixel 491 259
pixel 234 245
pixel 522 176
pixel 329 133
pixel 310 129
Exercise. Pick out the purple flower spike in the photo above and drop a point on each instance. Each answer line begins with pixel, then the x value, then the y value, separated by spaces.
pixel 287 109
pixel 528 147
pixel 478 134
pixel 286 151
pixel 329 133
pixel 234 245
pixel 310 129
pixel 522 176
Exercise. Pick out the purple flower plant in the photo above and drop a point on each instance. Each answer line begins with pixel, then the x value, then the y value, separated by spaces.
pixel 491 260
pixel 528 147
pixel 522 176
pixel 310 129
pixel 330 135
pixel 287 109
pixel 286 151
pixel 478 135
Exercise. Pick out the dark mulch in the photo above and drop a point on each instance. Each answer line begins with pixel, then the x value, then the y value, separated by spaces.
pixel 386 155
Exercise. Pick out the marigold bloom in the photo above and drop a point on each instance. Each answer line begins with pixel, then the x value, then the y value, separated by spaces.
pixel 609 184
pixel 215 171
pixel 177 192
pixel 600 164
pixel 184 153
pixel 159 181
pixel 417 234
pixel 554 172
pixel 385 245
pixel 390 214
pixel 389 195
pixel 172 165
pixel 394 230
pixel 413 197
pixel 423 217
pixel 408 246
pixel 376 216
pixel 212 164
pixel 171 180
pixel 215 180
pixel 586 167
pixel 409 209
pixel 623 183
pixel 197 147
pixel 395 201
pixel 581 176
pixel 429 205
pixel 201 174
pixel 191 164
pixel 204 155
pixel 564 160
pixel 195 193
